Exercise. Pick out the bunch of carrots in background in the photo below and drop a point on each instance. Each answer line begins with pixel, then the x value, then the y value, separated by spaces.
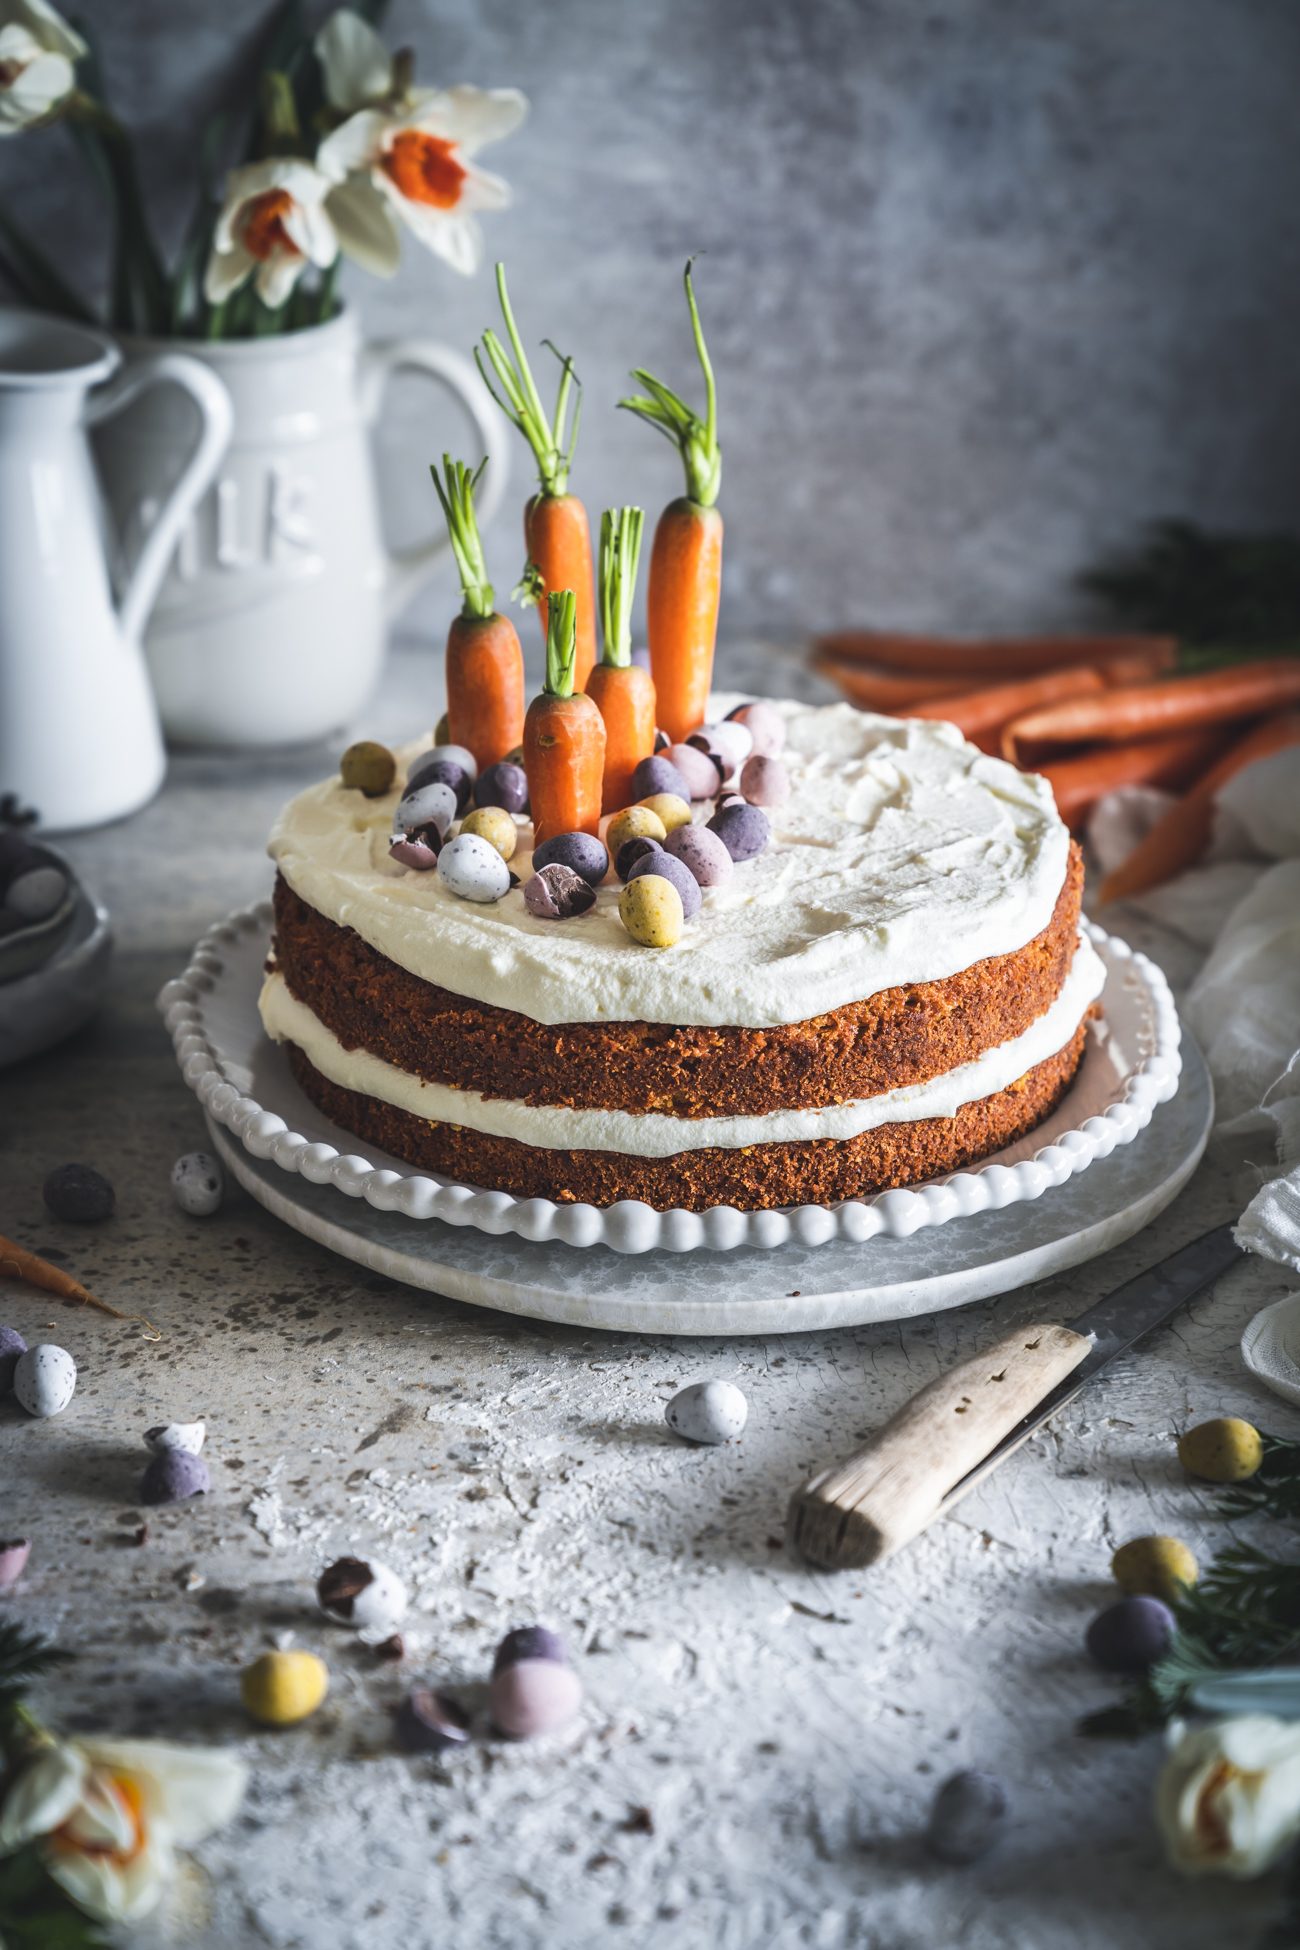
pixel 1090 714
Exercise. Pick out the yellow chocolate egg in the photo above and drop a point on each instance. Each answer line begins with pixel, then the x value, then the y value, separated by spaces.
pixel 651 908
pixel 1154 1567
pixel 633 823
pixel 282 1688
pixel 368 767
pixel 673 811
pixel 493 824
pixel 1227 1450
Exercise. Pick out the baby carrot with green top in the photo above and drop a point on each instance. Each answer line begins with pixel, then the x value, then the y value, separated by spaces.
pixel 624 693
pixel 564 738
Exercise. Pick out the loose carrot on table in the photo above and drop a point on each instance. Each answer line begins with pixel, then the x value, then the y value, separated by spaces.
pixel 978 712
pixel 990 658
pixel 623 692
pixel 1147 710
pixel 686 560
pixel 1078 783
pixel 1178 840
pixel 881 690
pixel 564 738
pixel 557 536
pixel 485 665
pixel 16 1263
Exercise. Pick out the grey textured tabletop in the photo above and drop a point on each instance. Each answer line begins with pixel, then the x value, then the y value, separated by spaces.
pixel 760 1743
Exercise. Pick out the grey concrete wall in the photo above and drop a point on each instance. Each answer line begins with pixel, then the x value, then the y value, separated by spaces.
pixel 987 282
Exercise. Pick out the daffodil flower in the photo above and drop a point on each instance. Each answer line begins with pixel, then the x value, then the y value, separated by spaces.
pixel 1228 1801
pixel 406 157
pixel 109 1816
pixel 38 51
pixel 272 225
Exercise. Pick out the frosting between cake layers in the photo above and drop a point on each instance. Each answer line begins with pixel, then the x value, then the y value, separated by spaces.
pixel 904 855
pixel 653 1135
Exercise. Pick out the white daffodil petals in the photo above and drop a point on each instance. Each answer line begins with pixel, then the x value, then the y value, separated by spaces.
pixel 313 232
pixel 469 117
pixel 48 27
pixel 449 234
pixel 103 1822
pixel 1228 1801
pixel 34 90
pixel 226 271
pixel 365 226
pixel 113 1890
pixel 356 145
pixel 276 277
pixel 195 1790
pixel 43 1796
pixel 357 66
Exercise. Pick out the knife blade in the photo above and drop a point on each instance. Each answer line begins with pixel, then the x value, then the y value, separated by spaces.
pixel 955 1432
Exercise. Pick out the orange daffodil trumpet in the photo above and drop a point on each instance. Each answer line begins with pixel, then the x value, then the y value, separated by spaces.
pixel 405 156
pixel 271 226
pixel 109 1816
pixel 38 51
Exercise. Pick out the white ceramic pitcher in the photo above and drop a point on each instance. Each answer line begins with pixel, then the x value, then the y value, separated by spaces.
pixel 79 736
pixel 271 625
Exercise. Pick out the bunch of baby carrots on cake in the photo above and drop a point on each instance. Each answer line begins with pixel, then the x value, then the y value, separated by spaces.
pixel 599 712
pixel 1089 714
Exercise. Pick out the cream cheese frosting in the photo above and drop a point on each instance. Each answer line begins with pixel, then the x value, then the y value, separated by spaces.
pixel 903 855
pixel 652 1135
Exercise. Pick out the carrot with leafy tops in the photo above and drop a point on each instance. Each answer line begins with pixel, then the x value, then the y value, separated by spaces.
pixel 686 560
pixel 1148 710
pixel 1178 840
pixel 557 536
pixel 564 738
pixel 1078 783
pixel 485 665
pixel 623 692
pixel 991 658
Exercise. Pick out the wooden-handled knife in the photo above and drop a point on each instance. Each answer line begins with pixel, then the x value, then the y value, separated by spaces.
pixel 964 1423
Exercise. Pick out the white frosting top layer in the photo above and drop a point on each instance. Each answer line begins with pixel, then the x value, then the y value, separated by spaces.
pixel 652 1135
pixel 903 855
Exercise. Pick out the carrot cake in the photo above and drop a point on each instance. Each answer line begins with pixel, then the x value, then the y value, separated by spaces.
pixel 893 989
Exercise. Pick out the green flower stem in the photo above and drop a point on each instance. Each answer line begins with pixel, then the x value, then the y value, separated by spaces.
pixel 515 392
pixel 561 642
pixel 696 439
pixel 620 554
pixel 455 490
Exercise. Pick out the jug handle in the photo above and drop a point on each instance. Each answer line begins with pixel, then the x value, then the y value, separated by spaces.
pixel 217 416
pixel 410 568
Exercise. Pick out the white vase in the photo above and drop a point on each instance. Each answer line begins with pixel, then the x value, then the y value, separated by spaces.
pixel 271 622
pixel 79 737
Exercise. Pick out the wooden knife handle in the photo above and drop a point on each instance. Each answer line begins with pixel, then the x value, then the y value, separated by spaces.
pixel 865 1508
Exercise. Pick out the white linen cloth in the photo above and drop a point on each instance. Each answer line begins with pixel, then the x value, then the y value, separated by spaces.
pixel 1243 905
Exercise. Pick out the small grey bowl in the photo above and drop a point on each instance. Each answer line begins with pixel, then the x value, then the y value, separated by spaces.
pixel 40 1008
pixel 24 948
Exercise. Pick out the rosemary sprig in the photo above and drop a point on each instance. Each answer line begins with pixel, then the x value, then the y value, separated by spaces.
pixel 1274 1489
pixel 24 1656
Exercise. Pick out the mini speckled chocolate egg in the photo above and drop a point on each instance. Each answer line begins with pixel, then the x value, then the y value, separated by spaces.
pixel 45 1379
pixel 764 724
pixel 173 1475
pixel 708 1412
pixel 650 908
pixel 702 852
pixel 1154 1567
pixel 12 1345
pixel 557 893
pixel 432 804
pixel 493 824
pixel 14 1553
pixel 1227 1450
pixel 729 739
pixel 764 781
pixel 473 870
pixel 78 1194
pixel 743 829
pixel 368 767
pixel 673 810
pixel 34 894
pixel 189 1436
pixel 582 852
pixel 658 774
pixel 443 752
pixel 966 1816
pixel 363 1593
pixel 698 769
pixel 630 852
pixel 197 1184
pixel 633 823
pixel 435 768
pixel 1131 1635
pixel 665 864
pixel 503 784
pixel 418 850
pixel 428 1723
pixel 281 1688
pixel 534 1689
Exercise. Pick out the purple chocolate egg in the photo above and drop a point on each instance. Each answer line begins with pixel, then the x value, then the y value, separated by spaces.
pixel 731 741
pixel 533 1697
pixel 581 851
pixel 743 830
pixel 764 724
pixel 636 849
pixel 530 1642
pixel 698 769
pixel 1131 1635
pixel 764 781
pixel 703 852
pixel 12 1345
pixel 677 872
pixel 658 774
pixel 437 769
pixel 503 784
pixel 419 849
pixel 173 1475
pixel 556 893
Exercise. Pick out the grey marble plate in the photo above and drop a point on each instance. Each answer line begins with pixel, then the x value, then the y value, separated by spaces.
pixel 783 1290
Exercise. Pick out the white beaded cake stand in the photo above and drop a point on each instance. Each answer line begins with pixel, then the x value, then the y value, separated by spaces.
pixel 822 1279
